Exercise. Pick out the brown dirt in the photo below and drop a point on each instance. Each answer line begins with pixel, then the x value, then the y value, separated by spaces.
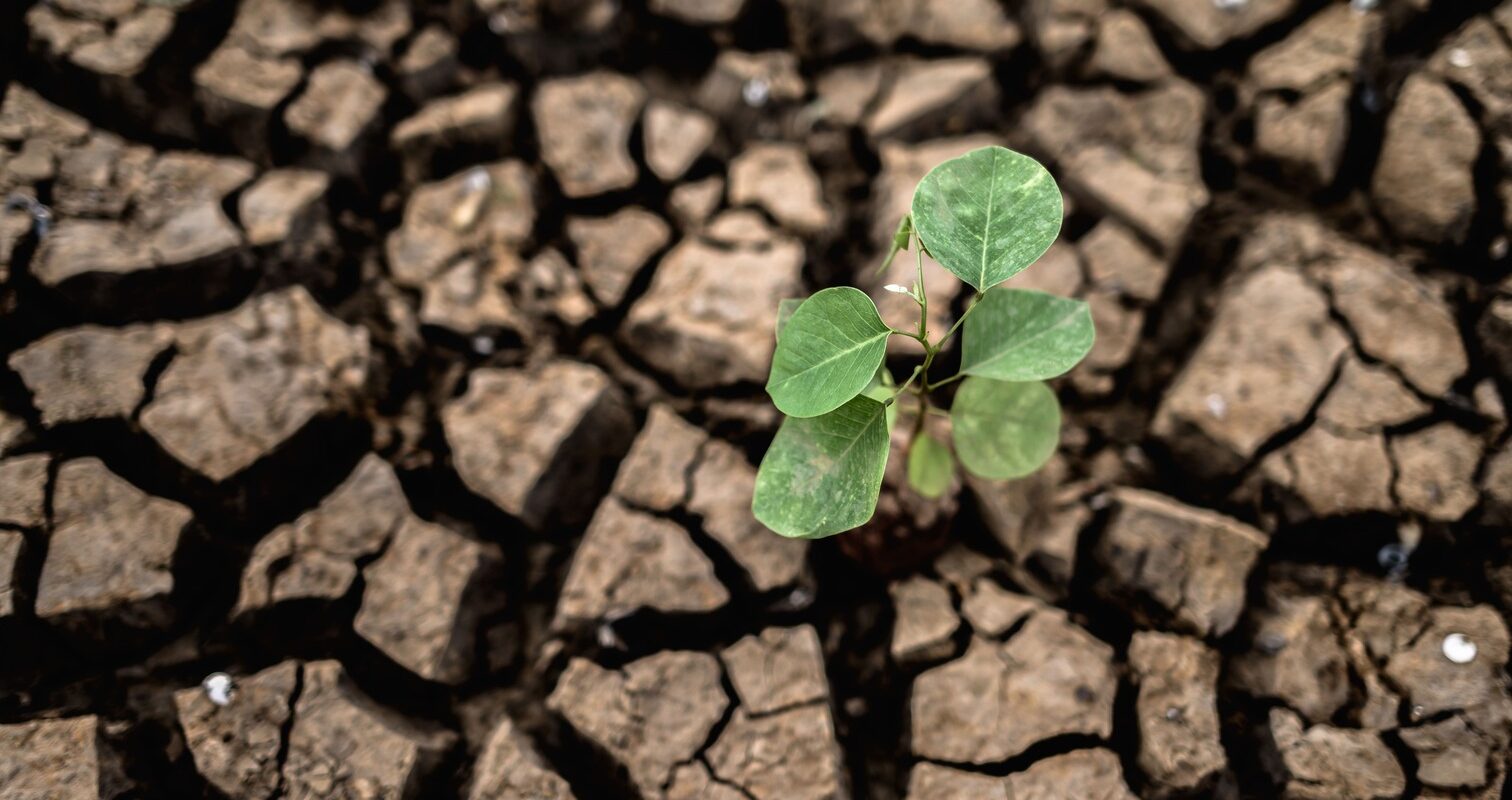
pixel 402 362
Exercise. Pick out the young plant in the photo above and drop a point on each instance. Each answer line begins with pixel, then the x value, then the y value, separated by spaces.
pixel 985 217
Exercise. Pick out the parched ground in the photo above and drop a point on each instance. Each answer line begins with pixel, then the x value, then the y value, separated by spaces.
pixel 381 399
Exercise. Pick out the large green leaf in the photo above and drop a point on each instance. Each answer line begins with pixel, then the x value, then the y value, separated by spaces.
pixel 987 215
pixel 930 466
pixel 1002 429
pixel 822 474
pixel 827 353
pixel 1025 335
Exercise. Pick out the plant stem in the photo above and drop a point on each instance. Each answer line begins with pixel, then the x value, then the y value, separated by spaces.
pixel 929 387
pixel 906 384
pixel 923 299
pixel 975 299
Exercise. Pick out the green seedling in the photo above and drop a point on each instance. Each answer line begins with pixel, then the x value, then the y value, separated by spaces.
pixel 985 217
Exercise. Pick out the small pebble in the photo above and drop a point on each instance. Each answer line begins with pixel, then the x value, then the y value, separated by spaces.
pixel 1217 406
pixel 219 688
pixel 1363 5
pixel 1459 649
pixel 755 92
pixel 1393 558
pixel 1459 57
pixel 1229 5
pixel 797 599
pixel 1174 714
pixel 1499 247
pixel 608 639
pixel 1370 98
pixel 1271 643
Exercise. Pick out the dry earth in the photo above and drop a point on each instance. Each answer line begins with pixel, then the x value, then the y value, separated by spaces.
pixel 402 362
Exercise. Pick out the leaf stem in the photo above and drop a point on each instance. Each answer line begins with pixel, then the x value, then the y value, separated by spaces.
pixel 929 387
pixel 972 304
pixel 906 384
pixel 923 300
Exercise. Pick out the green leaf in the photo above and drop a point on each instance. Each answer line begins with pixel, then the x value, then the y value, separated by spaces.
pixel 822 474
pixel 930 466
pixel 827 353
pixel 785 309
pixel 1002 429
pixel 987 215
pixel 1025 335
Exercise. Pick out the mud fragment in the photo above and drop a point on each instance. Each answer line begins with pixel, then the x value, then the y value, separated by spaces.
pixel 479 120
pixel 423 624
pixel 236 747
pixel 284 205
pixel 1424 181
pixel 510 769
pixel 788 754
pixel 699 12
pixel 1205 25
pixel 1368 397
pixel 723 486
pixel 1294 655
pixel 1181 566
pixel 612 250
pixel 1269 354
pixel 23 491
pixel 110 553
pixel 584 127
pixel 993 703
pixel 1178 711
pixel 1334 763
pixel 777 669
pixel 1125 51
pixel 1433 684
pixel 59 759
pixel 654 474
pixel 315 557
pixel 1436 469
pixel 12 593
pixel 343 744
pixel 675 137
pixel 246 381
pixel 1132 154
pixel 652 716
pixel 932 97
pixel 630 560
pixel 707 319
pixel 90 372
pixel 1381 301
pixel 778 178
pixel 476 210
pixel 531 441
pixel 1335 473
pixel 925 621
pixel 993 610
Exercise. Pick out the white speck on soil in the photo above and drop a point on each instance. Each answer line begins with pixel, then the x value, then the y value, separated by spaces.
pixel 219 687
pixel 1460 57
pixel 1459 649
pixel 1217 406
pixel 755 92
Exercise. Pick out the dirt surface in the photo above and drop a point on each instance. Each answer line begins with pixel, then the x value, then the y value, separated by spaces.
pixel 380 400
